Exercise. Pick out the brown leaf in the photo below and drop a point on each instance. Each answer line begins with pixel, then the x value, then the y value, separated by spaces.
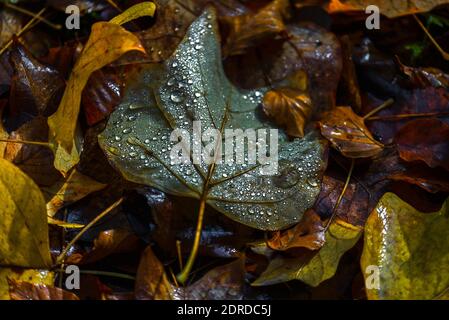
pixel 309 48
pixel 309 233
pixel 348 134
pixel 21 290
pixel 35 88
pixel 390 8
pixel 151 281
pixel 289 107
pixel 426 77
pixel 251 29
pixel 36 161
pixel 426 140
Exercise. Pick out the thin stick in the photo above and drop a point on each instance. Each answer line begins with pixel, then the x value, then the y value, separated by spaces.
pixel 348 179
pixel 108 274
pixel 184 274
pixel 62 256
pixel 384 105
pixel 24 29
pixel 179 251
pixel 443 53
pixel 411 115
pixel 114 5
pixel 32 14
pixel 34 143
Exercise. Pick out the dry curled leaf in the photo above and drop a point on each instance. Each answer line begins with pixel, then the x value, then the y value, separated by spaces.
pixel 290 107
pixel 348 134
pixel 107 42
pixel 308 233
pixel 251 29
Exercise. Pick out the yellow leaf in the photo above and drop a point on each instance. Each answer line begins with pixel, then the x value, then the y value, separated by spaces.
pixel 107 42
pixel 42 277
pixel 410 250
pixel 23 220
pixel 137 11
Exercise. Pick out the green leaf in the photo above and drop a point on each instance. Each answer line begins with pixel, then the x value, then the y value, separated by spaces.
pixel 313 268
pixel 191 86
pixel 410 248
pixel 23 220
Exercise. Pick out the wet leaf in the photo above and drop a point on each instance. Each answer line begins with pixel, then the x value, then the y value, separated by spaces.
pixel 22 290
pixel 426 140
pixel 107 42
pixel 74 188
pixel 410 248
pixel 35 88
pixel 390 8
pixel 289 107
pixel 23 231
pixel 34 160
pixel 348 134
pixel 308 233
pixel 220 283
pixel 252 29
pixel 38 277
pixel 313 268
pixel 137 138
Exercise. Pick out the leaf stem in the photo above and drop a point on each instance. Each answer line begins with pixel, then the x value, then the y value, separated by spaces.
pixel 63 254
pixel 35 143
pixel 398 117
pixel 337 204
pixel 184 274
pixel 24 29
pixel 443 53
pixel 384 105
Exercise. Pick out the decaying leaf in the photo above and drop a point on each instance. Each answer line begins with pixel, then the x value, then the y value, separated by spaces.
pixel 38 277
pixel 251 29
pixel 348 134
pixel 313 268
pixel 426 140
pixel 290 107
pixel 107 42
pixel 23 290
pixel 390 8
pixel 183 96
pixel 308 233
pixel 410 249
pixel 224 282
pixel 76 187
pixel 23 227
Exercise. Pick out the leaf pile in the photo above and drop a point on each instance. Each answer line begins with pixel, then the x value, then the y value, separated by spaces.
pixel 356 127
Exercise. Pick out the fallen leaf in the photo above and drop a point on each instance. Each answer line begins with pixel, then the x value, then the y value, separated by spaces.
pixel 348 134
pixel 410 248
pixel 22 290
pixel 309 48
pixel 34 160
pixel 23 231
pixel 35 88
pixel 252 29
pixel 426 140
pixel 390 8
pixel 151 281
pixel 74 188
pixel 313 268
pixel 107 42
pixel 42 277
pixel 143 9
pixel 308 233
pixel 221 283
pixel 289 107
pixel 426 77
pixel 137 138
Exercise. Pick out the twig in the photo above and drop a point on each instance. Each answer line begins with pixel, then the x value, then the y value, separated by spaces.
pixel 63 254
pixel 32 14
pixel 35 143
pixel 443 53
pixel 384 105
pixel 411 115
